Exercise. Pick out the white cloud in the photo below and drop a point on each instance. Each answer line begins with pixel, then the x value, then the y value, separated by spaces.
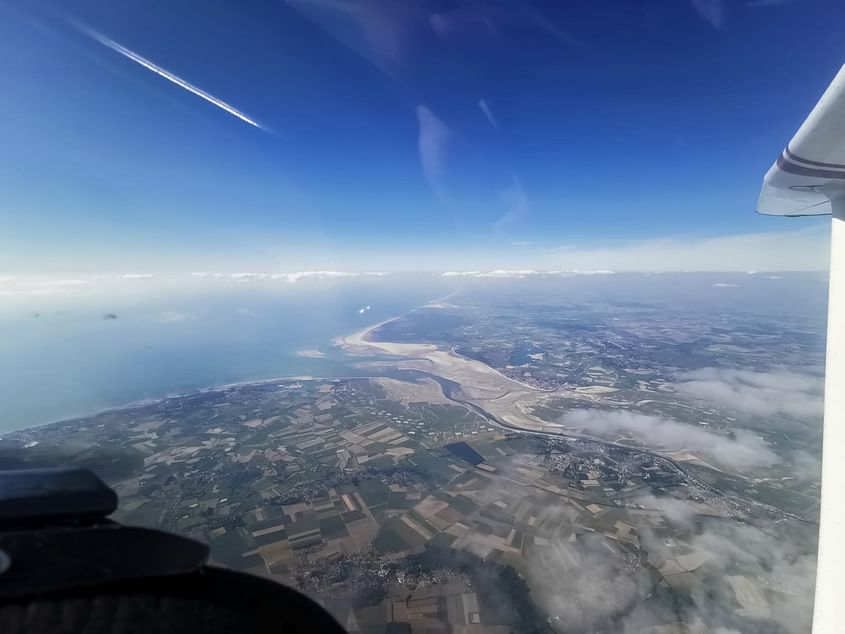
pixel 802 250
pixel 611 592
pixel 244 277
pixel 323 275
pixel 725 285
pixel 319 275
pixel 676 511
pixel 520 273
pixel 746 450
pixel 505 273
pixel 781 560
pixel 757 393
pixel 287 277
pixel 461 274
pixel 590 583
pixel 137 276
pixel 499 273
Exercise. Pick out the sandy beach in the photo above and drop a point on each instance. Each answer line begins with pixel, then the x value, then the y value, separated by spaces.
pixel 480 385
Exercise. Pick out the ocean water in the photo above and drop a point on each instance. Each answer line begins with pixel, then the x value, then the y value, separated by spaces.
pixel 63 356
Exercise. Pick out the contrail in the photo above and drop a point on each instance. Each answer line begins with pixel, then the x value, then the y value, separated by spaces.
pixel 158 70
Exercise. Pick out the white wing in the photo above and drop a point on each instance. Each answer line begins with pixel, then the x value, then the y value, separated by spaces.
pixel 812 165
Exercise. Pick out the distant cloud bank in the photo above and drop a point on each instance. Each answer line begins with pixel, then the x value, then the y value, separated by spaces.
pixel 518 274
pixel 40 285
pixel 287 277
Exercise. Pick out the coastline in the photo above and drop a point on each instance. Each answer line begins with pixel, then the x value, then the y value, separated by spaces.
pixel 361 338
pixel 481 386
pixel 355 338
pixel 145 402
pixel 478 381
pixel 360 341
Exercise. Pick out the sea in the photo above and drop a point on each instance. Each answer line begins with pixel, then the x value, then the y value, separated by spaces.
pixel 65 355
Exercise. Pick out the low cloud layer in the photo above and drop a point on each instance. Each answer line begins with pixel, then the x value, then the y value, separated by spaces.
pixel 287 277
pixel 521 273
pixel 29 288
pixel 746 449
pixel 756 393
pixel 311 275
pixel 600 585
pixel 583 584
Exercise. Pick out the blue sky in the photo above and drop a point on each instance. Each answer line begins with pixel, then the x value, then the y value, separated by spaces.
pixel 405 135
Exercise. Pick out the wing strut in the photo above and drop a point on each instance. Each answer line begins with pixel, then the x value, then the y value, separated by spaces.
pixel 809 179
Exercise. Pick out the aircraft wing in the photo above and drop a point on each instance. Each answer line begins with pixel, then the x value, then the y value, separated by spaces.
pixel 812 163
